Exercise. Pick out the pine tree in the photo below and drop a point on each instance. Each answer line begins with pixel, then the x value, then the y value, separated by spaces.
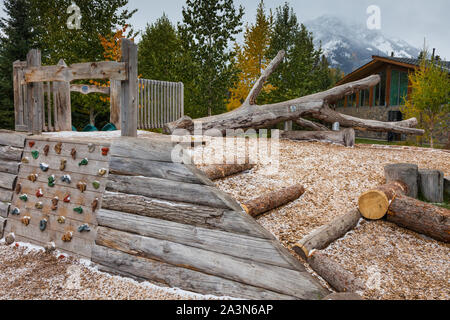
pixel 15 42
pixel 251 59
pixel 207 29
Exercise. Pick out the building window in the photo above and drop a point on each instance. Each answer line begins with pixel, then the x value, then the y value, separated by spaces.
pixel 351 102
pixel 379 93
pixel 364 98
pixel 399 87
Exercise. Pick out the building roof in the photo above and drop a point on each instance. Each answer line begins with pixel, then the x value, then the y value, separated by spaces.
pixel 366 69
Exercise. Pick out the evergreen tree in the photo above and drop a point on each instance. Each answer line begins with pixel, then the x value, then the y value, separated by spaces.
pixel 15 41
pixel 208 28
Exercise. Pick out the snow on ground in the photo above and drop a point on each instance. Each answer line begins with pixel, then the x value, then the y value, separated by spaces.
pixel 395 263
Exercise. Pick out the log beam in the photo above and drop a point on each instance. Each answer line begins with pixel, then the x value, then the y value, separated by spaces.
pixel 344 137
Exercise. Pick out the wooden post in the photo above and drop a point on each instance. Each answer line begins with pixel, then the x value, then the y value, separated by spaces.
pixel 115 103
pixel 129 90
pixel 20 112
pixel 34 99
pixel 371 96
pixel 63 121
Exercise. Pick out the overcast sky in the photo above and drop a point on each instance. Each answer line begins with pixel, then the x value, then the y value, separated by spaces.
pixel 410 20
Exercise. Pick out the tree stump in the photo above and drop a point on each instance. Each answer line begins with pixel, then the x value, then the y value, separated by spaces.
pixel 447 186
pixel 431 185
pixel 406 173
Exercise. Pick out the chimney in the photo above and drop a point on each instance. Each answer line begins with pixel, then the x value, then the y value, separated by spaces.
pixel 434 53
pixel 392 54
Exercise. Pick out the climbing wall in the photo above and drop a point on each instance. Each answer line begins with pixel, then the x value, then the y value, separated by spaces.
pixel 58 193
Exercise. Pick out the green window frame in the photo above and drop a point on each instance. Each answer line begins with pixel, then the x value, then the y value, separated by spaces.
pixel 399 87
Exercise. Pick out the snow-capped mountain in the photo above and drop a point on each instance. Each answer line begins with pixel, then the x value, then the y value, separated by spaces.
pixel 349 46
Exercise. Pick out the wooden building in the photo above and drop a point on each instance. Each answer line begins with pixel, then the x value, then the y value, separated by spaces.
pixel 383 101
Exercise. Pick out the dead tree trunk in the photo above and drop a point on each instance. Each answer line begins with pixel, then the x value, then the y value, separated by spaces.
pixel 273 200
pixel 250 115
pixel 215 172
pixel 315 126
pixel 344 137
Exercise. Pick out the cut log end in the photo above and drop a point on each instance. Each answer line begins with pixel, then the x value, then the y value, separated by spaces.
pixel 373 205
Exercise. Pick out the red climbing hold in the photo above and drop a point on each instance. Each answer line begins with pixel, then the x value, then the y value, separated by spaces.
pixel 67 198
pixel 31 144
pixel 105 151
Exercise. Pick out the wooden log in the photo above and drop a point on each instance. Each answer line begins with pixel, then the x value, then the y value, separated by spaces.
pixel 273 200
pixel 406 173
pixel 35 100
pixel 10 153
pixel 374 204
pixel 344 137
pixel 288 282
pixel 88 89
pixel 172 190
pixel 2 226
pixel 114 117
pixel 315 126
pixel 431 185
pixel 4 209
pixel 333 273
pixel 6 195
pixel 215 172
pixel 78 71
pixel 7 180
pixel 173 276
pixel 343 296
pixel 447 186
pixel 186 213
pixel 12 139
pixel 236 245
pixel 129 90
pixel 421 217
pixel 9 166
pixel 319 239
pixel 63 120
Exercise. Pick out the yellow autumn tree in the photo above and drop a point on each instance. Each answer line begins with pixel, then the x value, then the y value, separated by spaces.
pixel 251 58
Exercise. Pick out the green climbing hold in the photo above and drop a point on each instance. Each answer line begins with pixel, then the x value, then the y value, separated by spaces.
pixel 84 162
pixel 35 154
pixel 51 181
pixel 78 210
pixel 24 197
pixel 96 184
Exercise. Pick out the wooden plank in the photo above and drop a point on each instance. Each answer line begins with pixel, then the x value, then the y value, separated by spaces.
pixel 144 149
pixel 63 105
pixel 176 277
pixel 285 281
pixel 88 89
pixel 236 245
pixel 169 190
pixel 191 214
pixel 18 101
pixel 7 180
pixel 4 209
pixel 12 139
pixel 129 90
pixel 6 195
pixel 115 103
pixel 81 148
pixel 11 167
pixel 154 169
pixel 78 71
pixel 10 153
pixel 2 226
pixel 34 99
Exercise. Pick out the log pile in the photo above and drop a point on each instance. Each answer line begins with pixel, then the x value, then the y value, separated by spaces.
pixel 273 200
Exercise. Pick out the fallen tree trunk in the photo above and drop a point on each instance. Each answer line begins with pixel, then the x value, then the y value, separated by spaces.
pixel 344 137
pixel 319 239
pixel 339 278
pixel 273 200
pixel 215 172
pixel 250 115
pixel 311 125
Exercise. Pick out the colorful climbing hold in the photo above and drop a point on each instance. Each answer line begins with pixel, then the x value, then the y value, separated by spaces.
pixel 46 150
pixel 82 186
pixel 105 151
pixel 73 153
pixel 61 220
pixel 39 205
pixel 84 228
pixel 15 212
pixel 51 181
pixel 94 205
pixel 96 184
pixel 26 160
pixel 62 165
pixel 35 154
pixel 66 178
pixel 91 147
pixel 67 237
pixel 58 147
pixel 78 210
pixel 33 177
pixel 18 188
pixel 43 224
pixel 24 198
pixel 102 172
pixel 39 193
pixel 55 202
pixel 26 220
pixel 44 167
pixel 67 198
pixel 31 144
pixel 84 162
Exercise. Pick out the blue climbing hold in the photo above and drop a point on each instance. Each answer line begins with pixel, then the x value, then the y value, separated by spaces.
pixel 74 129
pixel 43 224
pixel 84 228
pixel 109 127
pixel 90 128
